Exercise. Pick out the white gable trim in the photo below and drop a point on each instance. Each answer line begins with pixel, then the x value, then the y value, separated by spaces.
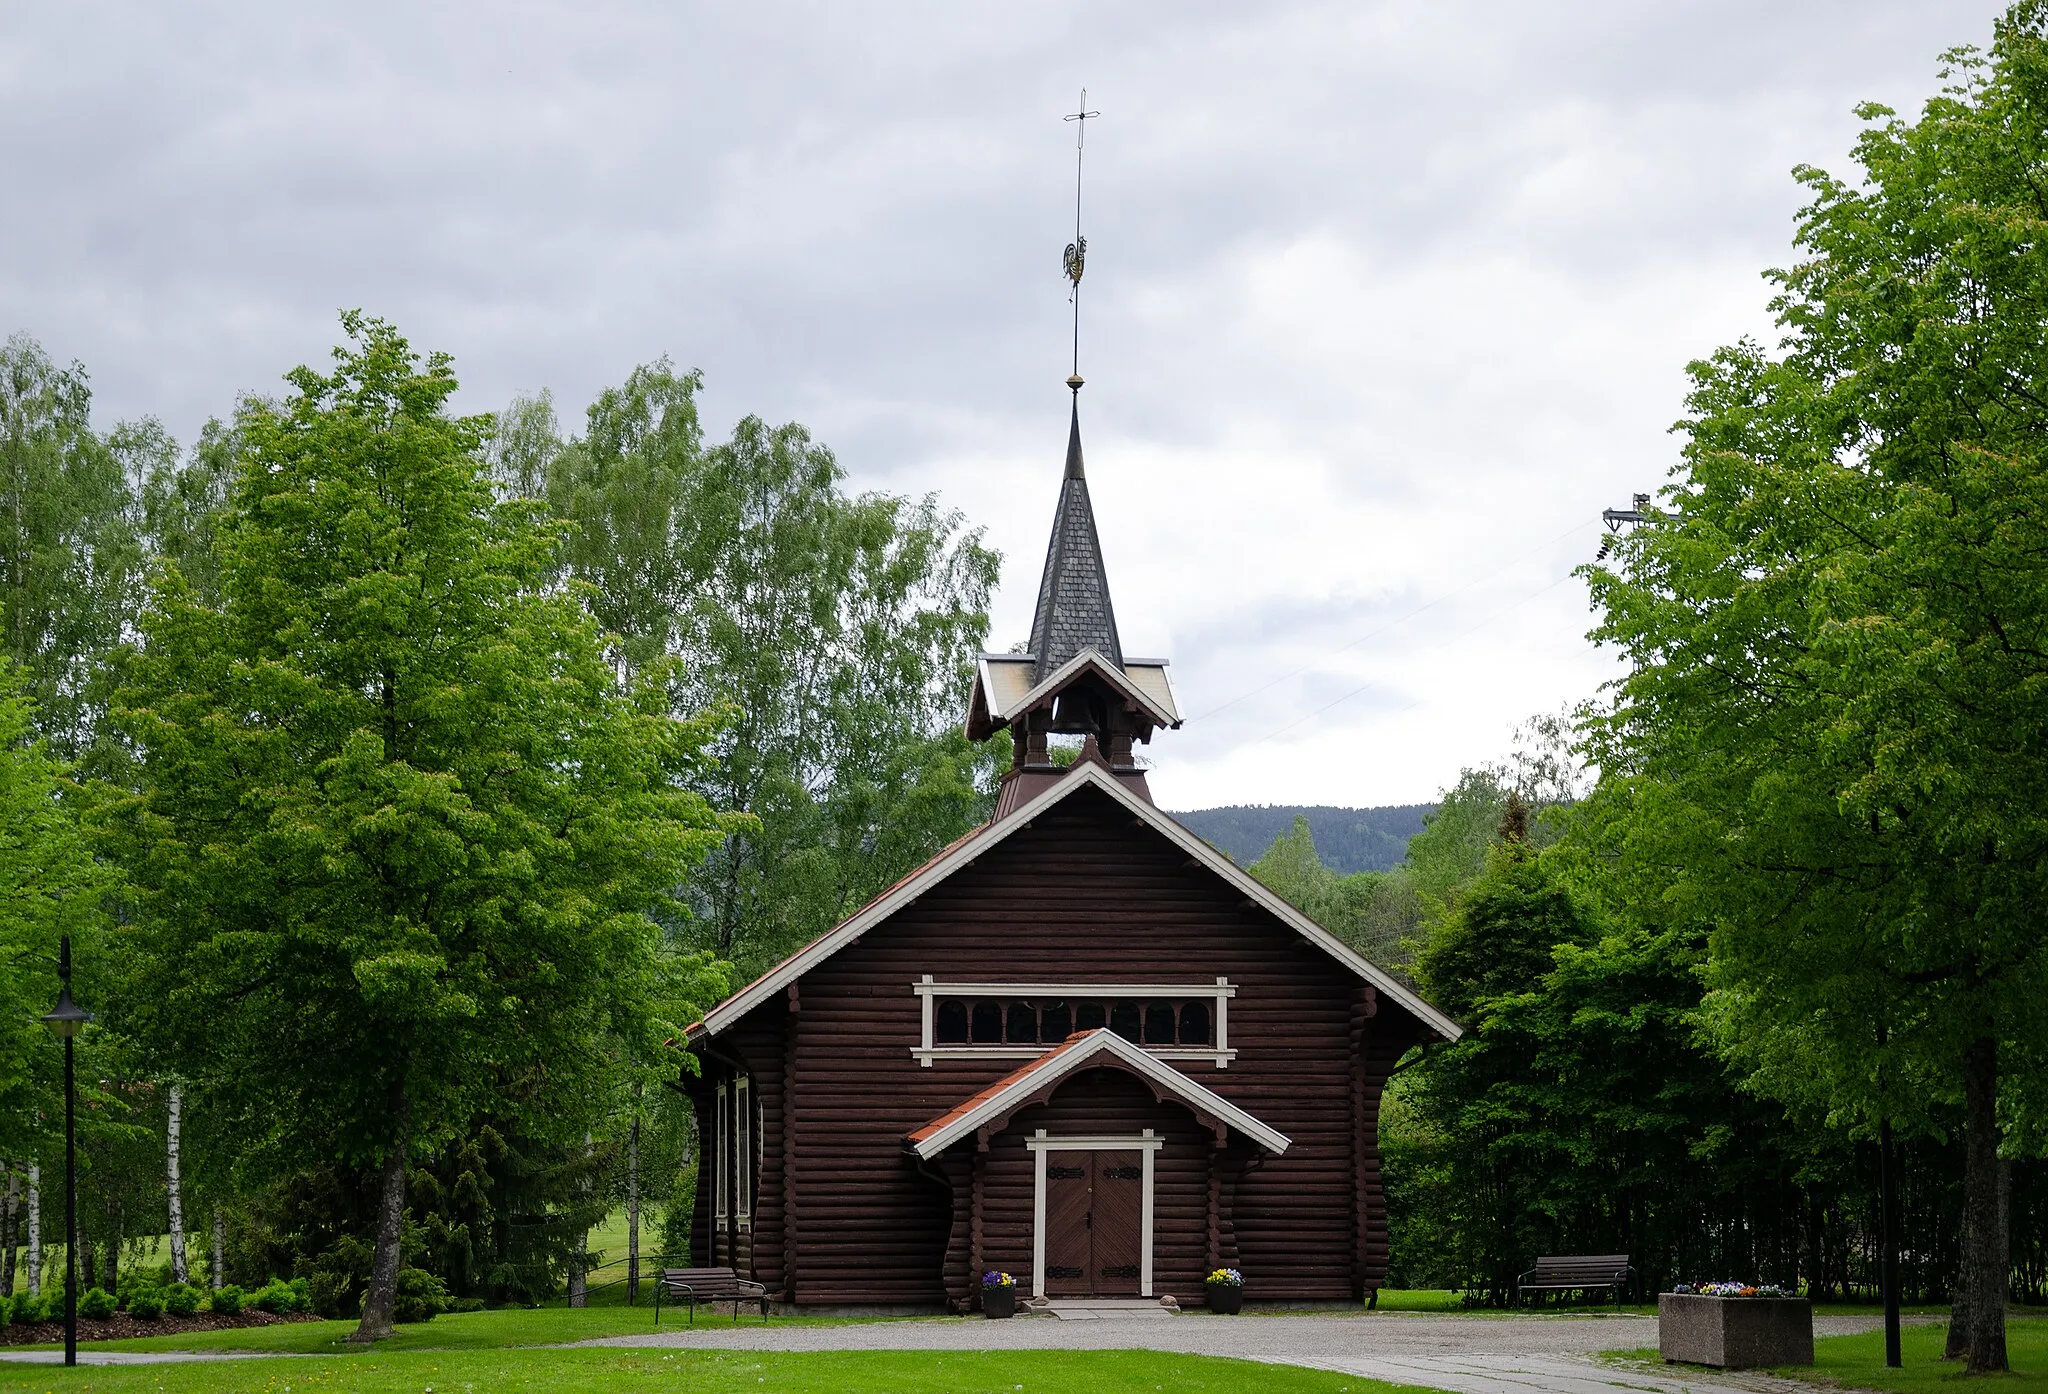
pixel 1091 658
pixel 1103 1041
pixel 965 852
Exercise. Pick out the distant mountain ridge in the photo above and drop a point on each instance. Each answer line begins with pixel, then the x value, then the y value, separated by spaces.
pixel 1347 839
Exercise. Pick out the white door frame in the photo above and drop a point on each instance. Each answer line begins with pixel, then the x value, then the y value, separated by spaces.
pixel 1145 1143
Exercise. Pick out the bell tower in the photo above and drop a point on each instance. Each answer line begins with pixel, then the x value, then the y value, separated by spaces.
pixel 1074 680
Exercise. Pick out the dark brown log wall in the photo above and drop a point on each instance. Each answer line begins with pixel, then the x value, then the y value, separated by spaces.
pixel 1088 894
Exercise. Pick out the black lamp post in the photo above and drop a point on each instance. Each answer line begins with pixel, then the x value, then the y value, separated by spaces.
pixel 65 1022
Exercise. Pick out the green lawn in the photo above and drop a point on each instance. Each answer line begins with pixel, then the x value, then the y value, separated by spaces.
pixel 689 1372
pixel 503 1329
pixel 1857 1362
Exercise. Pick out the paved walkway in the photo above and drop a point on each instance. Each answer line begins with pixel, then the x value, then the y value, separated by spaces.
pixel 129 1357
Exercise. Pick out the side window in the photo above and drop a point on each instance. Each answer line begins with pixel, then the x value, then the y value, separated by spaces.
pixel 721 1154
pixel 951 1026
pixel 743 1152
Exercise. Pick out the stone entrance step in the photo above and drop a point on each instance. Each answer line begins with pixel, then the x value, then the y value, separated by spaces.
pixel 1109 1309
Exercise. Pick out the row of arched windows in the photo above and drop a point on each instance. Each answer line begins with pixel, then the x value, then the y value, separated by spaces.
pixel 993 1021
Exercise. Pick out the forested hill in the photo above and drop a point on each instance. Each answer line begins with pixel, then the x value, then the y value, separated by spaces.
pixel 1347 839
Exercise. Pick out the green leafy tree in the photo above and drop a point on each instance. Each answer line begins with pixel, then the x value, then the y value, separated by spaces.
pixel 834 631
pixel 401 828
pixel 50 886
pixel 1353 907
pixel 70 554
pixel 1829 744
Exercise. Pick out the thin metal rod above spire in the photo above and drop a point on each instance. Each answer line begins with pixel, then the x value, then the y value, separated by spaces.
pixel 1076 259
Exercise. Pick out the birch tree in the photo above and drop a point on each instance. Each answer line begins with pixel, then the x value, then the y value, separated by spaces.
pixel 174 1104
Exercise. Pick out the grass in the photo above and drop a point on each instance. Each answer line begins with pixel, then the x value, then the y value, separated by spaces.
pixel 1857 1362
pixel 504 1329
pixel 703 1372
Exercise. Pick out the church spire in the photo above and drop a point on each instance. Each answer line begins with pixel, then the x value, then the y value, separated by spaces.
pixel 1074 611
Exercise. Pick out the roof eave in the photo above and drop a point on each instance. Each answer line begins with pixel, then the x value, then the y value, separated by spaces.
pixel 968 849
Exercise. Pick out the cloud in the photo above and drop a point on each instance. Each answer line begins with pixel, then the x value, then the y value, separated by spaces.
pixel 1385 301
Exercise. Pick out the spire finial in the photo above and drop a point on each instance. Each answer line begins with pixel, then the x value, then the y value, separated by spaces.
pixel 1075 260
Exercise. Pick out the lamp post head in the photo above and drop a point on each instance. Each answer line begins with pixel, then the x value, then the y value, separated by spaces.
pixel 67 1019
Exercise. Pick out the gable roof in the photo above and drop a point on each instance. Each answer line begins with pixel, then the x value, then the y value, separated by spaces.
pixel 1085 1050
pixel 1073 612
pixel 963 853
pixel 1005 686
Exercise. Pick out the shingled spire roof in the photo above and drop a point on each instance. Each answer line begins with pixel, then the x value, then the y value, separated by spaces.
pixel 1074 612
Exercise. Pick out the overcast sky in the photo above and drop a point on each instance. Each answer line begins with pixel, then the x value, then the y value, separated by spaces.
pixel 1384 301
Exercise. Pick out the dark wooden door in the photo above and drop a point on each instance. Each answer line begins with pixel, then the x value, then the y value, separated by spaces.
pixel 1094 1223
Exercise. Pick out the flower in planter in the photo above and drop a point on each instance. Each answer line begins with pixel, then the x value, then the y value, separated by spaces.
pixel 1730 1290
pixel 1225 1278
pixel 994 1279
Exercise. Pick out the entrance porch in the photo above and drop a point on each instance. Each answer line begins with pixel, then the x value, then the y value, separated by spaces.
pixel 1095 1172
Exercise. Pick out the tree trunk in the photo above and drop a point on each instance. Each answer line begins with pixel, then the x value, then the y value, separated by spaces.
pixel 114 1252
pixel 1976 1328
pixel 7 1230
pixel 35 1230
pixel 579 1283
pixel 179 1270
pixel 382 1294
pixel 633 1211
pixel 220 1244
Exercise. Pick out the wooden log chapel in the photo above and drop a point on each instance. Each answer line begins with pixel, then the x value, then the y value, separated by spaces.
pixel 1078 1045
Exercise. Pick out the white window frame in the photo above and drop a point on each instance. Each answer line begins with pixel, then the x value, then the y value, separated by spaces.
pixel 721 1150
pixel 743 1154
pixel 1147 1143
pixel 929 992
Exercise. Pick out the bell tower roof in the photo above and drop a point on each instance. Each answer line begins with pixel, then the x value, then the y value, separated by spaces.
pixel 1074 611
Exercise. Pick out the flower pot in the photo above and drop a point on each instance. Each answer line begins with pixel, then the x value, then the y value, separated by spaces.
pixel 998 1302
pixel 1226 1298
pixel 1735 1333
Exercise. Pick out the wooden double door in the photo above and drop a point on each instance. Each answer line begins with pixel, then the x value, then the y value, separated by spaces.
pixel 1094 1223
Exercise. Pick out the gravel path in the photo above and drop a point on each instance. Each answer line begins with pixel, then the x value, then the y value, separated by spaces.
pixel 1463 1354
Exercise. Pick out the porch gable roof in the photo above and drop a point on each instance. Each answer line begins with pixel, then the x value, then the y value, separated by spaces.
pixel 1085 1050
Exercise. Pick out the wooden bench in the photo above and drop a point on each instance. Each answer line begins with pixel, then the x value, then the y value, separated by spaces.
pixel 1577 1273
pixel 708 1285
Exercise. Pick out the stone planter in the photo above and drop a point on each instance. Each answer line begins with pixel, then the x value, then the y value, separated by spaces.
pixel 997 1303
pixel 1735 1333
pixel 1226 1298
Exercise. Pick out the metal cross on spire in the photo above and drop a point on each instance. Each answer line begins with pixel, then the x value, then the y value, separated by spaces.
pixel 1075 259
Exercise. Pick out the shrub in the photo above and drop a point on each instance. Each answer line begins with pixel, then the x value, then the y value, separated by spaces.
pixel 334 1294
pixel 421 1296
pixel 180 1300
pixel 97 1304
pixel 146 1304
pixel 141 1277
pixel 465 1304
pixel 275 1296
pixel 228 1300
pixel 27 1310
